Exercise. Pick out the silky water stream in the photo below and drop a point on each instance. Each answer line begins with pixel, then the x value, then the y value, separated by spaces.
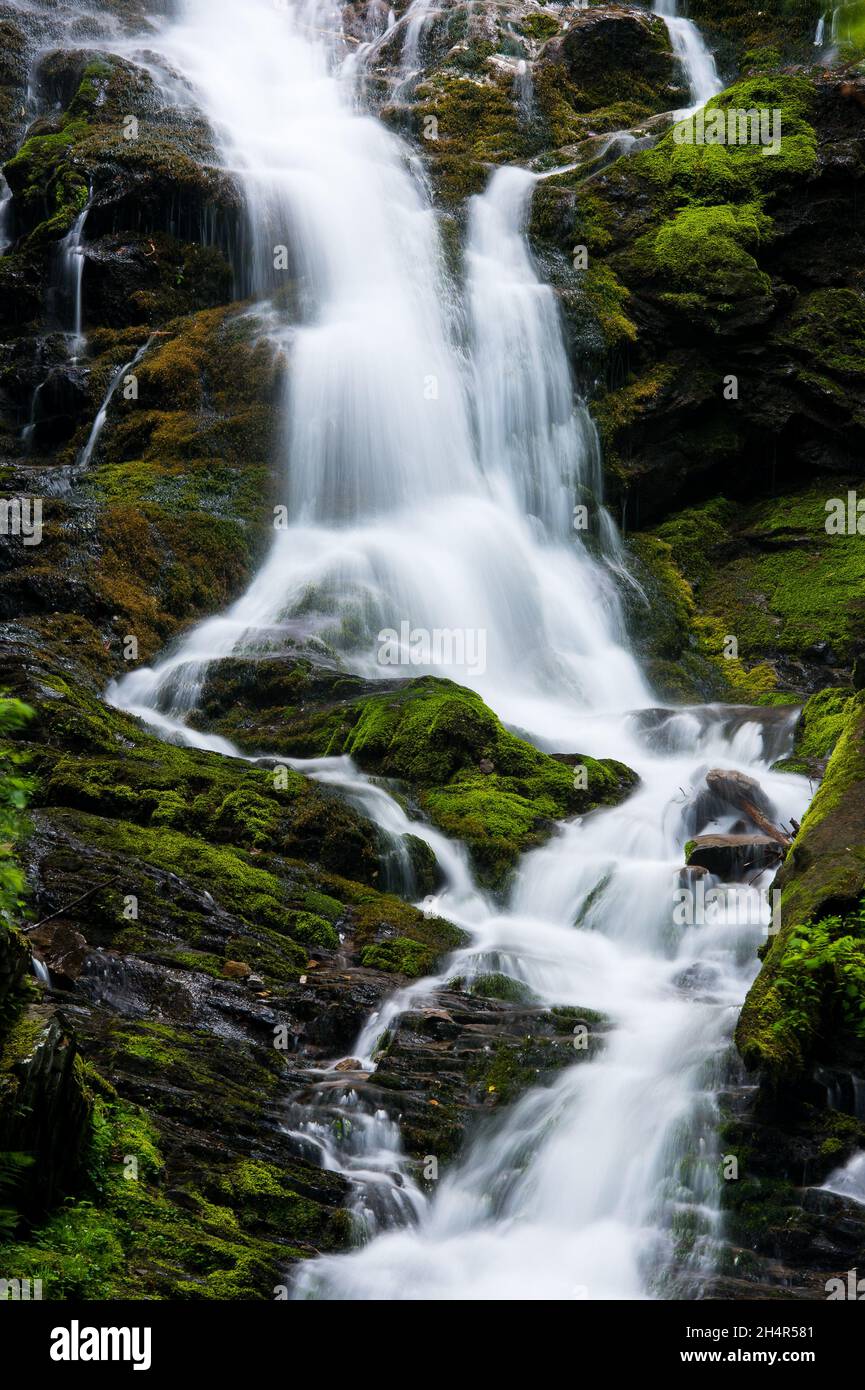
pixel 436 462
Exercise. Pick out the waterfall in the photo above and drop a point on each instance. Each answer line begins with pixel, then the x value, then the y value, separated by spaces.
pixel 418 16
pixel 102 414
pixel 398 511
pixel 690 48
pixel 435 459
pixel 5 210
pixel 72 280
pixel 524 90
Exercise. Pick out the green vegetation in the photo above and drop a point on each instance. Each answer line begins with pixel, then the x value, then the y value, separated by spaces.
pixel 225 1235
pixel 14 792
pixel 475 780
pixel 768 574
pixel 823 720
pixel 806 1000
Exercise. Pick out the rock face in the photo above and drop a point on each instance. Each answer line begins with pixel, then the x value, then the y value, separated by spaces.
pixel 214 940
pixel 734 857
pixel 45 1107
pixel 801 1035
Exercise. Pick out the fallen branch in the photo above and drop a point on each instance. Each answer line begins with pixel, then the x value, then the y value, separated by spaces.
pixel 75 901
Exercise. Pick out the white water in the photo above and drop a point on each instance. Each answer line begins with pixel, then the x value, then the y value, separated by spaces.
pixel 5 211
pixel 102 413
pixel 434 453
pixel 72 280
pixel 418 17
pixel 690 48
pixel 849 1180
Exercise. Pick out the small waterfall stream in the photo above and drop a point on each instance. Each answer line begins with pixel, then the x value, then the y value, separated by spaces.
pixel 72 280
pixel 102 414
pixel 690 48
pixel 433 464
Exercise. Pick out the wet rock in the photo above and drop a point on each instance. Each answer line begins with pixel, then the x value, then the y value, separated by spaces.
pixel 734 857
pixel 63 949
pixel 44 1105
pixel 611 48
pixel 236 970
pixel 14 964
pixel 349 1064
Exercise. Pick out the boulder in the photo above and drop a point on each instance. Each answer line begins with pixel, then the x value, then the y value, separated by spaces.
pixel 63 949
pixel 733 857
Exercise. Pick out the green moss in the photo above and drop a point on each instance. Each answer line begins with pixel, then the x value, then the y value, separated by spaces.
pixel 609 298
pixel 824 717
pixel 323 906
pixel 400 956
pixel 228 1235
pixel 46 184
pixel 790 583
pixel 748 36
pixel 435 735
pixel 768 575
pixel 540 26
pixel 315 931
pixel 514 1067
pixel 806 999
pixel 502 987
pixel 710 247
pixel 477 122
pixel 398 937
pixel 827 330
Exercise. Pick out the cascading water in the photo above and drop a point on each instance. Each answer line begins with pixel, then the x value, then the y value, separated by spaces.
pixel 433 463
pixel 690 48
pixel 72 281
pixel 5 211
pixel 393 517
pixel 102 414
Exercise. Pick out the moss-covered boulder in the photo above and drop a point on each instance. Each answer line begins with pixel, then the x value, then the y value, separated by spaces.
pixel 754 601
pixel 713 298
pixel 808 1002
pixel 611 68
pixel 472 777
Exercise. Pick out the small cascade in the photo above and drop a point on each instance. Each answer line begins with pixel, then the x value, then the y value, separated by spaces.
pixel 698 63
pixel 5 215
pixel 69 289
pixel 28 433
pixel 524 91
pixel 99 423
pixel 418 16
pixel 340 1129
pixel 40 970
pixel 849 1180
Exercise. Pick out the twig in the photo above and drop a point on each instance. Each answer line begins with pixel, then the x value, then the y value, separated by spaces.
pixel 60 911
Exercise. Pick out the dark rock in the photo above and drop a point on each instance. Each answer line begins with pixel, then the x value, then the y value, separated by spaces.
pixel 734 857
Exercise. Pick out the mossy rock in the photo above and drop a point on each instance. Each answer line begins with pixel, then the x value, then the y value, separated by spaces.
pixel 809 999
pixel 475 780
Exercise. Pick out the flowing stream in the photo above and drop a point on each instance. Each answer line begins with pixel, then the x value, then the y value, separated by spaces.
pixel 690 48
pixel 437 472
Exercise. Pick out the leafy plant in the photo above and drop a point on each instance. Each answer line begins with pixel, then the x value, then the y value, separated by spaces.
pixel 14 793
